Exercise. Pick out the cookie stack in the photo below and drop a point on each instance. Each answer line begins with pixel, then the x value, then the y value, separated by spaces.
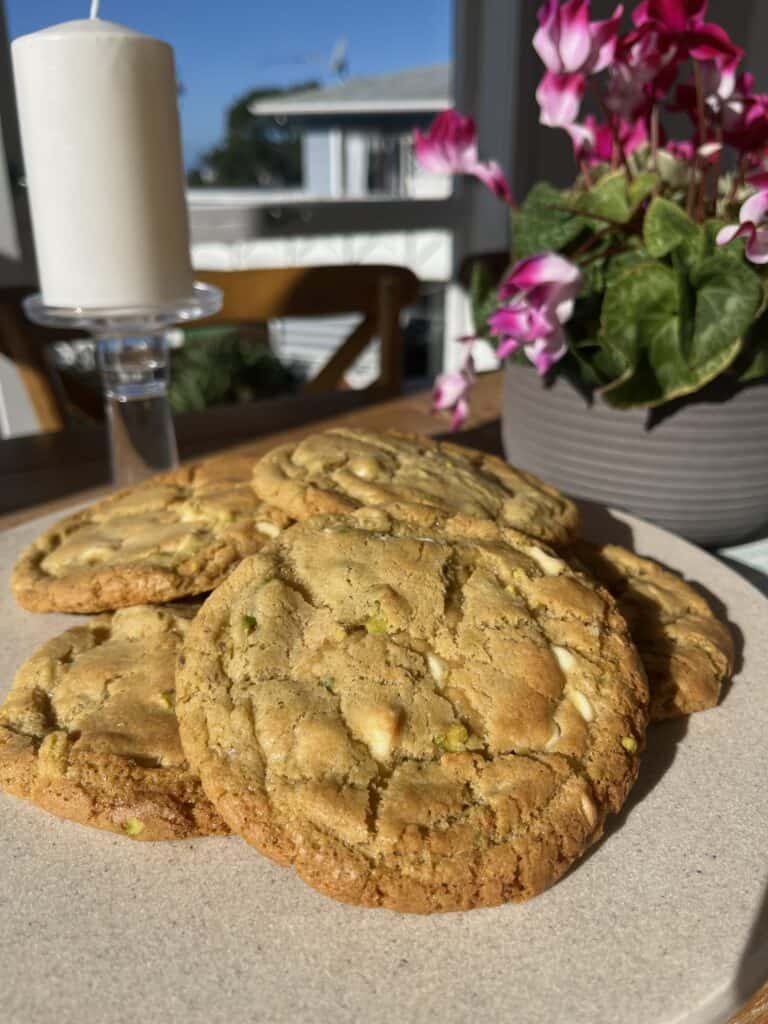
pixel 410 681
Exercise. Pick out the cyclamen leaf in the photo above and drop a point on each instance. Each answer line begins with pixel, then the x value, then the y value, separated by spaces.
pixel 663 350
pixel 543 223
pixel 729 296
pixel 483 291
pixel 607 199
pixel 757 367
pixel 641 186
pixel 667 226
pixel 640 322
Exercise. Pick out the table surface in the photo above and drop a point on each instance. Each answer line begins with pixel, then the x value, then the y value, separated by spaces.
pixel 36 466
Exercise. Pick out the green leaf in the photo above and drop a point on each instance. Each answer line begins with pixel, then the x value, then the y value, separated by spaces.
pixel 729 296
pixel 483 293
pixel 640 323
pixel 608 199
pixel 757 366
pixel 543 223
pixel 668 334
pixel 641 186
pixel 667 226
pixel 624 261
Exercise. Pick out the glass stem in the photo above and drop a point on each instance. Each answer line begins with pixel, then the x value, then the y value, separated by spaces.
pixel 134 372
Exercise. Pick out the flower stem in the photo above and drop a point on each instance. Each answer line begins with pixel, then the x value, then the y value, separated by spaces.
pixel 586 213
pixel 618 149
pixel 613 251
pixel 586 173
pixel 738 180
pixel 655 137
pixel 588 243
pixel 698 164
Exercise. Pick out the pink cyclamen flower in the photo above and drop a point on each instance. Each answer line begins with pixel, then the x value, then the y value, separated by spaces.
pixel 646 65
pixel 674 15
pixel 753 226
pixel 537 298
pixel 593 143
pixel 684 20
pixel 681 150
pixel 569 43
pixel 450 147
pixel 745 116
pixel 451 390
pixel 560 99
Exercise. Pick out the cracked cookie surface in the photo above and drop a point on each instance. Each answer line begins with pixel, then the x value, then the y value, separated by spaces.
pixel 89 731
pixel 412 718
pixel 341 470
pixel 175 535
pixel 686 650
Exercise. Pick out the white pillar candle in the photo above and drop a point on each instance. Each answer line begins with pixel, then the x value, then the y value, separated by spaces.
pixel 102 154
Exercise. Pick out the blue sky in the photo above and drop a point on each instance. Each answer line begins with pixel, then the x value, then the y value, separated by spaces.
pixel 225 47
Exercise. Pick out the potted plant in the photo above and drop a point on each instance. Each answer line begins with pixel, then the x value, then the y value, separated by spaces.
pixel 639 293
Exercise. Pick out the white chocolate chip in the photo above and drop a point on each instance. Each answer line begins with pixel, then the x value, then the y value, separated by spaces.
pixel 380 729
pixel 554 737
pixel 364 467
pixel 549 566
pixel 589 809
pixel 437 667
pixel 269 529
pixel 582 705
pixel 564 658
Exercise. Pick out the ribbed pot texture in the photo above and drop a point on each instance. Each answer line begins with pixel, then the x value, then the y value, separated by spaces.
pixel 702 472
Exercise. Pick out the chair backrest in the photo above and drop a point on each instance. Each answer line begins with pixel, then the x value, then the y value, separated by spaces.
pixel 24 344
pixel 378 292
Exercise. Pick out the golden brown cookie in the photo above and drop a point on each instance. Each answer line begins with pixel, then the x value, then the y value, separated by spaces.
pixel 412 718
pixel 344 469
pixel 89 731
pixel 686 650
pixel 172 536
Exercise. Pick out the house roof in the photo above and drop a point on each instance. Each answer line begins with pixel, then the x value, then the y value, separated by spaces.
pixel 416 89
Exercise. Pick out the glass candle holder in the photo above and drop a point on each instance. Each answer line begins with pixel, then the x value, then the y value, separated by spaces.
pixel 134 365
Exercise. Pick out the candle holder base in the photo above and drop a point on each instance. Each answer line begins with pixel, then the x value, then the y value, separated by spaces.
pixel 132 350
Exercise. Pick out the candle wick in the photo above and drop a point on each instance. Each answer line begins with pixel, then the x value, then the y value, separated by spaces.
pixel 94 8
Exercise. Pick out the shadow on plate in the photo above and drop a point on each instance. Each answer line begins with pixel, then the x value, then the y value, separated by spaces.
pixel 600 525
pixel 753 969
pixel 661 747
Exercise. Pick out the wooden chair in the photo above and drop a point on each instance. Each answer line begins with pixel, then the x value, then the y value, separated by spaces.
pixel 377 292
pixel 24 343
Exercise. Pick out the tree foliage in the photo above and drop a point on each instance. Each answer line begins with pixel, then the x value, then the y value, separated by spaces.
pixel 256 151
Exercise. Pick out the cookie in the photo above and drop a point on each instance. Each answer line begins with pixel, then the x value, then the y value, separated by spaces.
pixel 412 719
pixel 88 731
pixel 341 470
pixel 687 651
pixel 172 536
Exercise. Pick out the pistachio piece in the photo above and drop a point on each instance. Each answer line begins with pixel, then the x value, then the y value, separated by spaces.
pixel 629 743
pixel 376 625
pixel 249 623
pixel 454 740
pixel 133 827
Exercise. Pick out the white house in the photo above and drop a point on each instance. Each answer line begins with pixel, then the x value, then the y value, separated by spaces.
pixel 356 135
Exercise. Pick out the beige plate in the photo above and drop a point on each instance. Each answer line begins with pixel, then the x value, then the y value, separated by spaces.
pixel 666 921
